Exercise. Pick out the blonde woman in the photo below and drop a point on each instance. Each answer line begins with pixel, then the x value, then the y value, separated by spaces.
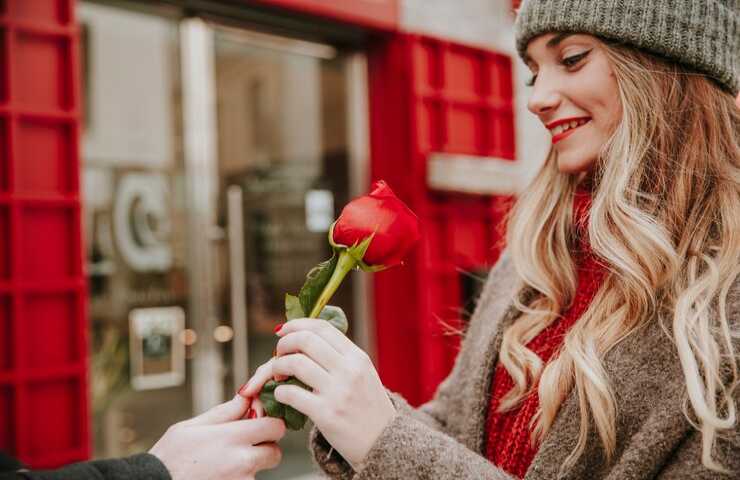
pixel 606 340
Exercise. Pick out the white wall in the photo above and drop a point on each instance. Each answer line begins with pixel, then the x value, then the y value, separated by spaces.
pixel 488 24
pixel 130 92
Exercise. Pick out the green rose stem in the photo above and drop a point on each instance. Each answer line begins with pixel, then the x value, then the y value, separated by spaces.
pixel 345 264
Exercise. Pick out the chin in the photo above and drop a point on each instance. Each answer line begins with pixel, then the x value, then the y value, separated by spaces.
pixel 574 165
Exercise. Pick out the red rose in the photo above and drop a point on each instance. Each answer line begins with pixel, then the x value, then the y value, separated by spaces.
pixel 394 225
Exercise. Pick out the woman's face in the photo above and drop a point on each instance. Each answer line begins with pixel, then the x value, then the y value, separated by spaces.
pixel 574 94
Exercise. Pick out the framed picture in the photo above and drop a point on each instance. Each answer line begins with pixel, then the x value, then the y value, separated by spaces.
pixel 157 354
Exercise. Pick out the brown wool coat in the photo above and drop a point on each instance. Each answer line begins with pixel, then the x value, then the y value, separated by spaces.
pixel 445 438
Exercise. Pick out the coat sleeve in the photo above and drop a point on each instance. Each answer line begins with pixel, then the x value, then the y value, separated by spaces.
pixel 417 443
pixel 686 460
pixel 141 467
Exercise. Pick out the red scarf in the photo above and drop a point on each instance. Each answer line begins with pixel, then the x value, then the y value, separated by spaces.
pixel 509 445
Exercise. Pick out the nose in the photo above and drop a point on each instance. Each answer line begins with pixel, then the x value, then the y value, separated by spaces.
pixel 545 97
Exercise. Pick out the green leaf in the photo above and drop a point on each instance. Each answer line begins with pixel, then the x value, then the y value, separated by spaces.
pixel 272 407
pixel 336 317
pixel 294 420
pixel 358 251
pixel 316 280
pixel 371 269
pixel 293 308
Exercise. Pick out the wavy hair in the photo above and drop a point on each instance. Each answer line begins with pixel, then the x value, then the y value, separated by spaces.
pixel 665 222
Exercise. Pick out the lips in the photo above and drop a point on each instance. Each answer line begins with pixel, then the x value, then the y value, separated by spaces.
pixel 560 129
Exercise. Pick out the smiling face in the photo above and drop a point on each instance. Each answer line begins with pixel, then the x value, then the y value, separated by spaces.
pixel 575 95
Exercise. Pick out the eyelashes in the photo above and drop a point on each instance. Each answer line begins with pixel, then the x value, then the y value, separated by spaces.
pixel 568 62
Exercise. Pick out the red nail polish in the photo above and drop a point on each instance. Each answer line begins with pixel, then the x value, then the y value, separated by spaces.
pixel 252 414
pixel 278 327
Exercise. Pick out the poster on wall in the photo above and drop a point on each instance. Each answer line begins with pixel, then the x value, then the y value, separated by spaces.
pixel 157 353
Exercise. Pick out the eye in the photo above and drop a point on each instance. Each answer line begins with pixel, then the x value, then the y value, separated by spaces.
pixel 569 62
pixel 573 60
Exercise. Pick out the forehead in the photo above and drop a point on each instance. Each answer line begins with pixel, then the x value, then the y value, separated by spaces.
pixel 548 42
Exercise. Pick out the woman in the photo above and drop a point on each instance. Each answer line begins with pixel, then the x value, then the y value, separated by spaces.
pixel 607 346
pixel 220 444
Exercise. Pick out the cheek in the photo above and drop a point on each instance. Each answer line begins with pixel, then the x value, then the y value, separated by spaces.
pixel 613 105
pixel 609 96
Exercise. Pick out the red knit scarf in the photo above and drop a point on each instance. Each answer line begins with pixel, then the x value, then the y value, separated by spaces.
pixel 509 445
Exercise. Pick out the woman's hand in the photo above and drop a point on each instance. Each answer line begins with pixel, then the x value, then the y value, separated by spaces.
pixel 348 404
pixel 220 445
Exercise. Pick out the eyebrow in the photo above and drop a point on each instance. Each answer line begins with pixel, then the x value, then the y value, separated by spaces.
pixel 552 43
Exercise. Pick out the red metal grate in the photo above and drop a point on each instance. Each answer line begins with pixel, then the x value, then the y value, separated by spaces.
pixel 432 96
pixel 43 348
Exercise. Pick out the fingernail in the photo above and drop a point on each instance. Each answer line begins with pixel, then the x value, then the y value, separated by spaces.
pixel 252 414
pixel 278 327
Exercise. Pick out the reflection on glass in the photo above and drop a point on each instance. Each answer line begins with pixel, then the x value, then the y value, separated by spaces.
pixel 282 139
pixel 134 226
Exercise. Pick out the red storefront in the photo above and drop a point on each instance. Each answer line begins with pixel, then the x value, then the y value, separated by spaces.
pixel 429 102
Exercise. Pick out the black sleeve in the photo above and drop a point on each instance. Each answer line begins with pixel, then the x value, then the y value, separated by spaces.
pixel 140 467
pixel 8 464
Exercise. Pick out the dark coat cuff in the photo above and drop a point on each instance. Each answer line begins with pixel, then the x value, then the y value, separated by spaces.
pixel 143 466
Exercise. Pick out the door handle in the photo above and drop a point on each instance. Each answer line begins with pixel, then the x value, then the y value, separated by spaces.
pixel 238 285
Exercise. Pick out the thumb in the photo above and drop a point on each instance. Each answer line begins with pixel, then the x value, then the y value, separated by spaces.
pixel 229 411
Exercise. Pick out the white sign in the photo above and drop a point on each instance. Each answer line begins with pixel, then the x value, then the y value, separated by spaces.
pixel 319 210
pixel 470 174
pixel 142 223
pixel 157 352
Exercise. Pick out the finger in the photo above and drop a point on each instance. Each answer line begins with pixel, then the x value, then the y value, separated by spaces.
pixel 265 456
pixel 234 409
pixel 304 369
pixel 322 328
pixel 308 403
pixel 260 377
pixel 258 410
pixel 250 432
pixel 311 344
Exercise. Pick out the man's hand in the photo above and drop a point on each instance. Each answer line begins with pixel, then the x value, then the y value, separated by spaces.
pixel 220 445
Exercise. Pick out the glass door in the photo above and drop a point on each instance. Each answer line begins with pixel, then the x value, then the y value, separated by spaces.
pixel 283 174
pixel 214 161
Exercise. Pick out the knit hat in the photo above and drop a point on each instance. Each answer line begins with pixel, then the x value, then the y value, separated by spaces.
pixel 701 34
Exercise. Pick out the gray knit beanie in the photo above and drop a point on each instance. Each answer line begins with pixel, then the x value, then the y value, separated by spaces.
pixel 701 34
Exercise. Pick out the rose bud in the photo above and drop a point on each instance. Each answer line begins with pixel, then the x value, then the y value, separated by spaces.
pixel 394 228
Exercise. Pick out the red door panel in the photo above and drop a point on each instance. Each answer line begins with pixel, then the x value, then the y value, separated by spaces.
pixel 432 96
pixel 43 348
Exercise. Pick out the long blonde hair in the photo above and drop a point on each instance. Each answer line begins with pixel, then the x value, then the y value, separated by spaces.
pixel 665 221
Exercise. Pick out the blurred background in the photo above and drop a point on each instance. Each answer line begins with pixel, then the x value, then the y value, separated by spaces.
pixel 170 169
